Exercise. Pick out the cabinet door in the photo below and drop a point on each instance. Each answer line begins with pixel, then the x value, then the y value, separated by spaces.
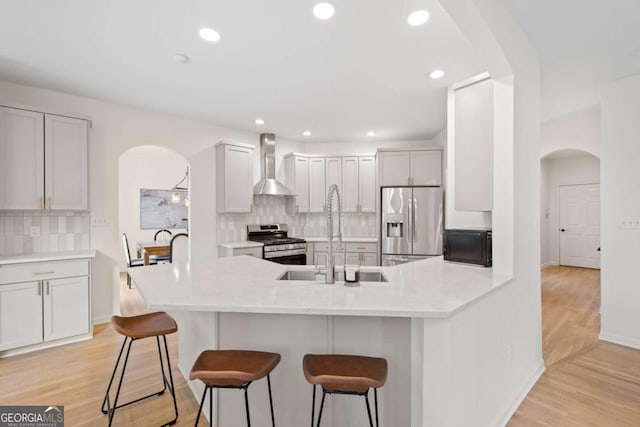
pixel 20 315
pixel 394 168
pixel 369 259
pixel 352 258
pixel 320 258
pixel 349 188
pixel 21 159
pixel 66 307
pixel 238 179
pixel 367 184
pixel 66 163
pixel 334 172
pixel 426 167
pixel 317 192
pixel 301 184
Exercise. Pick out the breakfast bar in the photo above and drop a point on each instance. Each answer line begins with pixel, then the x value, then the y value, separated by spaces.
pixel 433 321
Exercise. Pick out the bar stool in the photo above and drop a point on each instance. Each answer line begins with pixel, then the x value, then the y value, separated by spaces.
pixel 344 374
pixel 134 328
pixel 233 369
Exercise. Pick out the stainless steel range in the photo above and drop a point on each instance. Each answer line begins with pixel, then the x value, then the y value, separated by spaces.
pixel 278 246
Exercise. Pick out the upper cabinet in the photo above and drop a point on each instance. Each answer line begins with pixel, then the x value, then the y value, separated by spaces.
pixel 317 193
pixel 415 167
pixel 349 185
pixel 43 161
pixel 234 178
pixel 296 177
pixel 474 147
pixel 367 184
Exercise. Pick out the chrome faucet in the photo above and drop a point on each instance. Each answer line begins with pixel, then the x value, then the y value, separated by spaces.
pixel 329 270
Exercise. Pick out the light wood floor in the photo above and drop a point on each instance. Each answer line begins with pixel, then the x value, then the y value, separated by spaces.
pixel 588 382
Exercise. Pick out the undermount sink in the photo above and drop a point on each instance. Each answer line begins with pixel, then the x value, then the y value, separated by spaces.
pixel 311 276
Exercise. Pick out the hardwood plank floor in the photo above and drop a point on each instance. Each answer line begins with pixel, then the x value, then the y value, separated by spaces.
pixel 588 383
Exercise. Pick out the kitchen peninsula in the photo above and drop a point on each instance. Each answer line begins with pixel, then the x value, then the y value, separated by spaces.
pixel 436 323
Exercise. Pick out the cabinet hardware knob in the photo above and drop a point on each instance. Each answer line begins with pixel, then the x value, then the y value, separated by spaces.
pixel 47 287
pixel 48 204
pixel 39 288
pixel 39 202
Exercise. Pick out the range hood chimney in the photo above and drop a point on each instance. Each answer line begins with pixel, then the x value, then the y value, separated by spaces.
pixel 268 185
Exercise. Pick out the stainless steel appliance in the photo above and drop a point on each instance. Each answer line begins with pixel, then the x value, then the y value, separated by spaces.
pixel 278 246
pixel 468 246
pixel 412 222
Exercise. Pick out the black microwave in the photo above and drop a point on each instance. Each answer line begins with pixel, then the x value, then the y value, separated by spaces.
pixel 468 246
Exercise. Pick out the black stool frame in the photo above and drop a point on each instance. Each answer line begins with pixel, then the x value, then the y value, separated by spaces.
pixel 167 383
pixel 245 387
pixel 356 393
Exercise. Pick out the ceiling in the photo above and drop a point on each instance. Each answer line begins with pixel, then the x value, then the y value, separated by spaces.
pixel 582 44
pixel 364 69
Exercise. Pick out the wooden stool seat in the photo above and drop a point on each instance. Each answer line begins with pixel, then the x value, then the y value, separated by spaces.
pixel 233 367
pixel 341 372
pixel 145 325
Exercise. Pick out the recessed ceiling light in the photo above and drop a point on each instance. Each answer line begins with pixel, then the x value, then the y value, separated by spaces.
pixel 417 18
pixel 436 74
pixel 371 133
pixel 259 122
pixel 209 35
pixel 180 58
pixel 306 133
pixel 324 10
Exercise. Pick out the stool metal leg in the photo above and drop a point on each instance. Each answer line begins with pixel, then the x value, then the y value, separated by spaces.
pixel 324 394
pixel 375 396
pixel 246 404
pixel 172 389
pixel 210 406
pixel 115 368
pixel 313 405
pixel 273 418
pixel 366 399
pixel 201 405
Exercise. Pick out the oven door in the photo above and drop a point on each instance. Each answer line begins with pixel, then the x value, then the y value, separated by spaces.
pixel 300 259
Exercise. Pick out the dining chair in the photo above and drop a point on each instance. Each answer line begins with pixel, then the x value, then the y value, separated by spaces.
pixel 135 262
pixel 163 234
pixel 179 248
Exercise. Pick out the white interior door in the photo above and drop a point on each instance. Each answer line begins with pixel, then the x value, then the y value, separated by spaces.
pixel 580 225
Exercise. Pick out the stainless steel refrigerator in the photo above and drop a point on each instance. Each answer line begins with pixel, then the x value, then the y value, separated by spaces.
pixel 412 224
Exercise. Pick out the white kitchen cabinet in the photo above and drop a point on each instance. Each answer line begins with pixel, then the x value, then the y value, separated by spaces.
pixel 320 258
pixel 21 159
pixel 474 147
pixel 43 161
pixel 361 253
pixel 66 163
pixel 66 307
pixel 20 314
pixel 414 167
pixel 317 183
pixel 367 184
pixel 349 186
pixel 234 178
pixel 296 173
pixel 334 171
pixel 44 303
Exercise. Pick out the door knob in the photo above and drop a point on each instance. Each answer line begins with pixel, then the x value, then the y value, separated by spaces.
pixel 563 230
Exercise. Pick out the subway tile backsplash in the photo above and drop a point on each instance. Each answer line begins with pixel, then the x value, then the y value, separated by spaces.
pixel 271 210
pixel 59 231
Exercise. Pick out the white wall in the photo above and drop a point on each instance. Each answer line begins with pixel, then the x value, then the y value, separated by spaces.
pixel 509 360
pixel 580 169
pixel 144 167
pixel 117 128
pixel 579 130
pixel 620 189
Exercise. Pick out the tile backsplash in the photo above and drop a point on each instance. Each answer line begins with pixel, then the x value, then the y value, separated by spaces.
pixel 271 210
pixel 59 231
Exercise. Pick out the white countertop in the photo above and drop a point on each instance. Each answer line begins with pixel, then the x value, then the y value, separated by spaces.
pixel 47 256
pixel 344 239
pixel 427 288
pixel 241 244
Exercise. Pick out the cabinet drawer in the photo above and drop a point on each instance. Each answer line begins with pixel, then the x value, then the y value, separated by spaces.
pixel 16 273
pixel 324 247
pixel 362 247
pixel 255 252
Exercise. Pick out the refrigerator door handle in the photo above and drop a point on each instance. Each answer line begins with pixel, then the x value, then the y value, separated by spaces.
pixel 413 220
pixel 410 222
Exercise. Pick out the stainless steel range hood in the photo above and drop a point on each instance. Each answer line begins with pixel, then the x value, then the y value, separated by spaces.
pixel 268 185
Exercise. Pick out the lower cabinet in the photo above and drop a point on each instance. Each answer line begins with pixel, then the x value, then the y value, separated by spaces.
pixel 47 309
pixel 351 253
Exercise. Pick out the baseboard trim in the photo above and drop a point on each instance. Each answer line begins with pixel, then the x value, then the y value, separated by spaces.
pixel 620 340
pixel 100 320
pixel 533 379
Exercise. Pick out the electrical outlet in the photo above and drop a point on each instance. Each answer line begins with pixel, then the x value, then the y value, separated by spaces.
pixel 34 231
pixel 98 221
